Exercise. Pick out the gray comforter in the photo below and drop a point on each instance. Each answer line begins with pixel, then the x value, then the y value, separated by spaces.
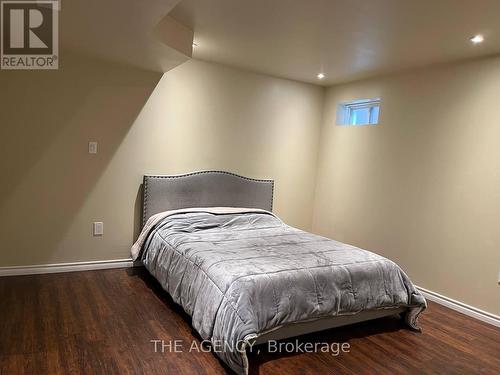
pixel 242 274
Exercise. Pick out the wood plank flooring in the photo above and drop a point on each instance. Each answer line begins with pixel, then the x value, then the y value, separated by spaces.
pixel 102 322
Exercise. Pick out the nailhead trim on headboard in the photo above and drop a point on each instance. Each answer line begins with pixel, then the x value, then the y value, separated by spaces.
pixel 146 194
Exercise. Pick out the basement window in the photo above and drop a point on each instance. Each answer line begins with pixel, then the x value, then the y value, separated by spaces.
pixel 359 112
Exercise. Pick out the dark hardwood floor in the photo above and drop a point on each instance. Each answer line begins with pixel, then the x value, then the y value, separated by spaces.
pixel 102 322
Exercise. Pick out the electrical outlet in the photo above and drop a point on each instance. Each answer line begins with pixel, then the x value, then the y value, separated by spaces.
pixel 98 228
pixel 92 147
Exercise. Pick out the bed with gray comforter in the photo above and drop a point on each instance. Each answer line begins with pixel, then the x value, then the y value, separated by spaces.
pixel 240 273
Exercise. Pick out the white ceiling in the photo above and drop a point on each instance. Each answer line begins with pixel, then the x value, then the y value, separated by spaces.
pixel 345 39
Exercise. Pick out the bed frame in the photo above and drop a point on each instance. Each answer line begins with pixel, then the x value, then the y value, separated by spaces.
pixel 225 189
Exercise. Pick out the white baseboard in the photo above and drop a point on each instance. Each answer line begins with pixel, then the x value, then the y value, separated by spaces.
pixel 66 267
pixel 461 307
pixel 125 263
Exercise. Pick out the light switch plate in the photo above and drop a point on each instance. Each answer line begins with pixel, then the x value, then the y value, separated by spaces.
pixel 92 147
pixel 98 228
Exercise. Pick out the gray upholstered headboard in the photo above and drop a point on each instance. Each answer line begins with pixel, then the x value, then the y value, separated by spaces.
pixel 204 189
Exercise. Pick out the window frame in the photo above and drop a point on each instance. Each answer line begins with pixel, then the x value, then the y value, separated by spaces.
pixel 345 110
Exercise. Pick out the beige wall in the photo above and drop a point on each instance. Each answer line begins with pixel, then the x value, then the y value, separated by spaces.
pixel 197 116
pixel 423 187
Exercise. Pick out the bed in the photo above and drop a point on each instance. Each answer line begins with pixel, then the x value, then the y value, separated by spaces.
pixel 245 277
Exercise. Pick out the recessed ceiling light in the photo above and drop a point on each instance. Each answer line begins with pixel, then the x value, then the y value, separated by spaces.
pixel 321 75
pixel 476 39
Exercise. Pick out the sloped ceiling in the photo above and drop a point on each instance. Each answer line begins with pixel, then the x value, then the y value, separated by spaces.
pixel 133 32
